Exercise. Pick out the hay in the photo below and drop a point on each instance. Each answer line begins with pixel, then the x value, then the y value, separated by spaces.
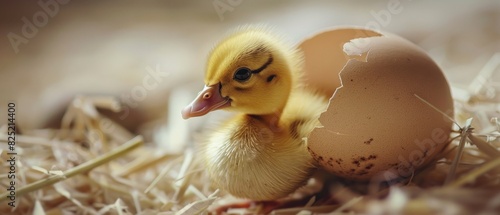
pixel 88 168
pixel 91 165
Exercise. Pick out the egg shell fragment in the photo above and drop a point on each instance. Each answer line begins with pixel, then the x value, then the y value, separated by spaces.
pixel 376 127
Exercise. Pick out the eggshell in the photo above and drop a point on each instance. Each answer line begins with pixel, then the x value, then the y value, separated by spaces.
pixel 376 127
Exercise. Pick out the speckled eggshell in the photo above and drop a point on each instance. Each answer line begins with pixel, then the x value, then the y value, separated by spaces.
pixel 375 127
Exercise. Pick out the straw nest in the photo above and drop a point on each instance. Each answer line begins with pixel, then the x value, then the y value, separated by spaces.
pixel 92 165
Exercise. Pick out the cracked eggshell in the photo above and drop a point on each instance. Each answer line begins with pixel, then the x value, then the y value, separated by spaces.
pixel 375 126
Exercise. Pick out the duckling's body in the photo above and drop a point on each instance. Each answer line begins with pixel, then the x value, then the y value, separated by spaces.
pixel 249 159
pixel 260 154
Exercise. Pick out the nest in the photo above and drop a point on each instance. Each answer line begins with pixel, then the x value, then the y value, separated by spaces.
pixel 92 165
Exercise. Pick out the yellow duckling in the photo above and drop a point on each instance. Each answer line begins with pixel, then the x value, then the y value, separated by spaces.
pixel 260 154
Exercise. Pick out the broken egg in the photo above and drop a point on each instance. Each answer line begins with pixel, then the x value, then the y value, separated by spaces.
pixel 389 107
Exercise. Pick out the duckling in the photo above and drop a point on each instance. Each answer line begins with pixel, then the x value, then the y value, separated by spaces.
pixel 261 153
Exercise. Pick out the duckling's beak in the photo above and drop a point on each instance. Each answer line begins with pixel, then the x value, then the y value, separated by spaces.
pixel 209 99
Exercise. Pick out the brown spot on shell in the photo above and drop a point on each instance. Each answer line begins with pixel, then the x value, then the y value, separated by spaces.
pixel 357 163
pixel 362 172
pixel 369 141
pixel 426 153
pixel 393 164
pixel 330 162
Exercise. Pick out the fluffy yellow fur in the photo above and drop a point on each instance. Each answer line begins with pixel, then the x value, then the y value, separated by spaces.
pixel 249 159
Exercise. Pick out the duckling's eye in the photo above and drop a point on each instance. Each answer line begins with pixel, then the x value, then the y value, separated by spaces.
pixel 242 74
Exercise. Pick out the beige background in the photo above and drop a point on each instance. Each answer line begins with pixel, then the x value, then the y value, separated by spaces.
pixel 105 48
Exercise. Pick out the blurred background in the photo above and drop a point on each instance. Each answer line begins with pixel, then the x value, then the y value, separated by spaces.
pixel 146 53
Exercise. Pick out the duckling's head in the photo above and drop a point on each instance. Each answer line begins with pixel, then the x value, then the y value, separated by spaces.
pixel 251 71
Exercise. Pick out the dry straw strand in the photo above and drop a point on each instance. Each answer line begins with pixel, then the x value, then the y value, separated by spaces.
pixel 121 150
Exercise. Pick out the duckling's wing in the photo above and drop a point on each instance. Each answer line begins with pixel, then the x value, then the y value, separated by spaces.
pixel 303 110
